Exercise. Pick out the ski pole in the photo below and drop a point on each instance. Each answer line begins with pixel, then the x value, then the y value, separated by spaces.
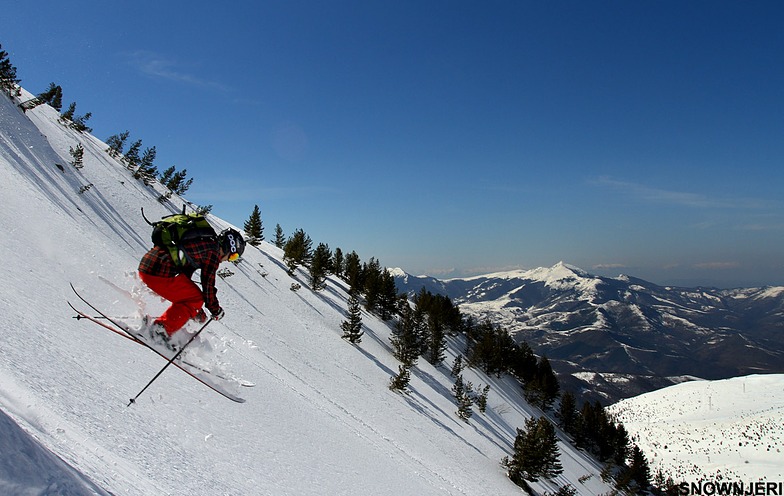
pixel 101 317
pixel 172 359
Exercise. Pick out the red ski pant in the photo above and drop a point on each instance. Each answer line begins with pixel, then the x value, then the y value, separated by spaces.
pixel 184 294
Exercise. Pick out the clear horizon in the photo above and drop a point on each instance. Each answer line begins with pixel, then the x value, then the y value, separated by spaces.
pixel 453 138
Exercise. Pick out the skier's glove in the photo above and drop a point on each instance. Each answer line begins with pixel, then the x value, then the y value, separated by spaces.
pixel 218 315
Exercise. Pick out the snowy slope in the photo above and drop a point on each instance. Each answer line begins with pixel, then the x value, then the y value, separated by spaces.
pixel 730 429
pixel 320 420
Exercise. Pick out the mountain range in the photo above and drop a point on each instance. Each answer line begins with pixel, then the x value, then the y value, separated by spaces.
pixel 613 338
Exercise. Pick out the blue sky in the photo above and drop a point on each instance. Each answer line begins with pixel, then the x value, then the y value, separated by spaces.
pixel 452 137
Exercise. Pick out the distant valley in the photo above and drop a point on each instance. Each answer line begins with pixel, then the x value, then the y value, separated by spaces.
pixel 614 338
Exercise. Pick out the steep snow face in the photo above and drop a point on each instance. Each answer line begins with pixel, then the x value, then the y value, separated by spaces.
pixel 711 430
pixel 320 420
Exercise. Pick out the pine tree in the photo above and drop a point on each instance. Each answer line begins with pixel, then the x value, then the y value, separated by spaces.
pixel 254 230
pixel 597 433
pixel 547 443
pixel 618 441
pixel 458 389
pixel 641 472
pixel 387 300
pixel 280 238
pixel 353 274
pixel 535 452
pixel 79 123
pixel 405 339
pixel 203 210
pixel 543 389
pixel 400 381
pixel 68 114
pixel 8 80
pixel 457 366
pixel 116 144
pixel 53 96
pixel 481 400
pixel 491 348
pixel 175 181
pixel 522 361
pixel 166 176
pixel 78 156
pixel 338 263
pixel 352 326
pixel 567 412
pixel 664 484
pixel 436 343
pixel 319 267
pixel 147 170
pixel 297 250
pixel 372 275
pixel 462 392
pixel 131 157
pixel 637 475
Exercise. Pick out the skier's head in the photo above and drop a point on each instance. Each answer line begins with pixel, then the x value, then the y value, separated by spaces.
pixel 232 244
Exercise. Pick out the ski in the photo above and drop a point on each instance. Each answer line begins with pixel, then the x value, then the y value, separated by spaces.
pixel 206 377
pixel 130 336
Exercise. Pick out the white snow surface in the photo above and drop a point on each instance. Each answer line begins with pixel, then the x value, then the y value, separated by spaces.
pixel 320 420
pixel 730 429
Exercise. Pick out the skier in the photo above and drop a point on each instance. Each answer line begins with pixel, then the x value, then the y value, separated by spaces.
pixel 159 272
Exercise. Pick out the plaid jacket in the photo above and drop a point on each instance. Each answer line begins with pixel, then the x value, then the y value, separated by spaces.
pixel 201 254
